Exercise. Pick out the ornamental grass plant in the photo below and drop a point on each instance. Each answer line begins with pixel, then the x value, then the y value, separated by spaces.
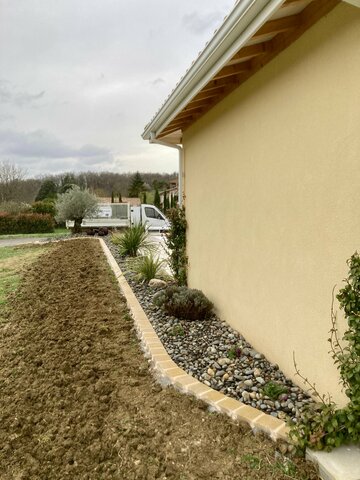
pixel 149 267
pixel 134 241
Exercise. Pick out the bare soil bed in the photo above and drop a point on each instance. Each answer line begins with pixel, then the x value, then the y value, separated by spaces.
pixel 78 401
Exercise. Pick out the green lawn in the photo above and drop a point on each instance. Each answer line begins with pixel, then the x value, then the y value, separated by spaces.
pixel 58 232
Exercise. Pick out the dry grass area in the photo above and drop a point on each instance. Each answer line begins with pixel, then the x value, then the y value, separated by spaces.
pixel 78 401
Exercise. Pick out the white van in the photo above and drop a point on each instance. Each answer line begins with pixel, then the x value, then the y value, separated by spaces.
pixel 121 215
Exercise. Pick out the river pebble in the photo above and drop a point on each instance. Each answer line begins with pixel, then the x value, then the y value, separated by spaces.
pixel 204 348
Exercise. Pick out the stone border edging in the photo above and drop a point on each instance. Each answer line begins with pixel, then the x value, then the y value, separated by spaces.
pixel 168 372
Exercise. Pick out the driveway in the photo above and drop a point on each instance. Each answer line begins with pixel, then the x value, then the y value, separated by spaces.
pixel 13 242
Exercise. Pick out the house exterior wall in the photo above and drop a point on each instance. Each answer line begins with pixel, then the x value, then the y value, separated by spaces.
pixel 272 188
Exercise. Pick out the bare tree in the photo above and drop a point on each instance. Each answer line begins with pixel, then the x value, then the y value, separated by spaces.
pixel 11 177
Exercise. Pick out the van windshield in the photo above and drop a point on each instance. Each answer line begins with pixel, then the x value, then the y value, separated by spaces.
pixel 152 213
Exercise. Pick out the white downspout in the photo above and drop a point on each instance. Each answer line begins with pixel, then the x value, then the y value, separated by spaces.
pixel 181 162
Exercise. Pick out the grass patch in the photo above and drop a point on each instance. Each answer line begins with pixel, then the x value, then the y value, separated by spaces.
pixel 13 260
pixel 8 284
pixel 58 232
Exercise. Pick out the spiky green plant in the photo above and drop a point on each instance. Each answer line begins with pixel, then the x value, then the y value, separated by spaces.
pixel 273 390
pixel 149 267
pixel 133 241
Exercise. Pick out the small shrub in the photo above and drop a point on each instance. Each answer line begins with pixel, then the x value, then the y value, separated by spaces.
pixel 183 302
pixel 148 267
pixel 274 390
pixel 234 352
pixel 177 331
pixel 44 207
pixel 133 240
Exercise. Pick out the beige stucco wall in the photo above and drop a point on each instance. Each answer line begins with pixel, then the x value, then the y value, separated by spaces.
pixel 272 185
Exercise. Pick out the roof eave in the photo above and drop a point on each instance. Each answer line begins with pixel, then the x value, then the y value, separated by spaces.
pixel 244 20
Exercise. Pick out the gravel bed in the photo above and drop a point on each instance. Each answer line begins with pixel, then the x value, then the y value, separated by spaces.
pixel 202 350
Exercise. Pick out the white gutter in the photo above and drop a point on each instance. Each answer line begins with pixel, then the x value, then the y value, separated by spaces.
pixel 245 19
pixel 180 149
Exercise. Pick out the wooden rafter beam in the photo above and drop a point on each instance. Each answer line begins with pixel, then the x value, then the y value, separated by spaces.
pixel 289 30
pixel 202 102
pixel 231 70
pixel 190 109
pixel 304 20
pixel 308 17
pixel 180 120
pixel 181 116
pixel 168 131
pixel 279 25
pixel 249 52
pixel 207 94
pixel 288 2
pixel 215 84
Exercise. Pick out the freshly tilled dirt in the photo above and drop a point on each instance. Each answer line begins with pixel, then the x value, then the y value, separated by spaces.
pixel 78 401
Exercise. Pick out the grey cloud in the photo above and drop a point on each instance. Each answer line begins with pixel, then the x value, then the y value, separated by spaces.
pixel 4 117
pixel 157 81
pixel 9 94
pixel 42 144
pixel 91 151
pixel 198 23
pixel 94 74
pixel 22 99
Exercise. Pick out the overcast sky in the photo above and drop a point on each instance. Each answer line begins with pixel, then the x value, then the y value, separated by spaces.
pixel 79 79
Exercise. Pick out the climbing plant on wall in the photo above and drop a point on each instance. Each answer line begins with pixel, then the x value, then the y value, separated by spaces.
pixel 176 243
pixel 323 425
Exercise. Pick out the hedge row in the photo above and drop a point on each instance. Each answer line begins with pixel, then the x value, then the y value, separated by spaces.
pixel 25 223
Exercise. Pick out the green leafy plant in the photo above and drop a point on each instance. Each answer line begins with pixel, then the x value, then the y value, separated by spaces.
pixel 234 352
pixel 136 186
pixel 44 207
pixel 253 461
pixel 25 223
pixel 133 241
pixel 183 302
pixel 273 390
pixel 157 201
pixel 177 331
pixel 76 204
pixel 286 467
pixel 176 243
pixel 323 425
pixel 148 267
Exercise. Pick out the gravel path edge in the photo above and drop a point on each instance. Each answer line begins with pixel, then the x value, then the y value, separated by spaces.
pixel 169 373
